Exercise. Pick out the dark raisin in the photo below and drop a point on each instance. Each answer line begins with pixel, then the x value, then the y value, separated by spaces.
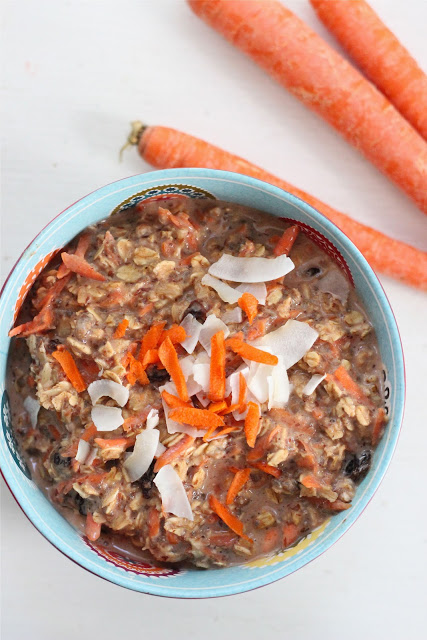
pixel 146 481
pixel 157 376
pixel 356 465
pixel 81 504
pixel 197 311
pixel 59 461
pixel 312 272
pixel 53 344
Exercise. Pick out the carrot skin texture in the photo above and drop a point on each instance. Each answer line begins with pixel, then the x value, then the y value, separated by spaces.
pixel 164 148
pixel 380 55
pixel 302 62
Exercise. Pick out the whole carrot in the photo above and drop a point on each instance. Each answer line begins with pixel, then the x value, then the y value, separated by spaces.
pixel 317 75
pixel 163 147
pixel 380 55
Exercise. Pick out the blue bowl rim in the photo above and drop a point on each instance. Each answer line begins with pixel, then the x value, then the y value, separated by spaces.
pixel 370 276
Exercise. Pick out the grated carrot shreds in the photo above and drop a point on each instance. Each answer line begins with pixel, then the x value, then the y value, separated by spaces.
pixel 69 367
pixel 173 401
pixel 286 241
pixel 218 407
pixel 252 423
pixel 145 309
pixel 250 353
pixel 92 528
pixel 89 432
pixel 176 333
pixel 219 434
pixel 173 452
pixel 169 359
pixel 227 517
pixel 121 329
pixel 258 329
pixel 230 409
pixel 249 304
pixel 242 392
pixel 82 247
pixel 262 445
pixel 151 357
pixel 290 534
pixel 240 479
pixel 267 468
pixel 200 418
pixel 311 482
pixel 344 380
pixel 217 368
pixel 209 433
pixel 136 372
pixel 79 265
pixel 151 339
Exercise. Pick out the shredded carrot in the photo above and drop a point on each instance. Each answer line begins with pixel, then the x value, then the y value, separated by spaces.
pixel 267 468
pixel 173 401
pixel 249 304
pixel 151 339
pixel 257 329
pixel 54 432
pixel 242 391
pixel 176 333
pixel 240 479
pixel 290 534
pixel 200 418
pixel 252 423
pixel 209 433
pixel 344 380
pixel 219 434
pixel 218 407
pixel 230 409
pixel 89 432
pixel 151 357
pixel 311 482
pixel 82 247
pixel 153 523
pixel 262 445
pixel 69 367
pixel 227 517
pixel 378 425
pixel 121 329
pixel 92 528
pixel 146 309
pixel 173 452
pixel 169 359
pixel 286 241
pixel 250 353
pixel 217 368
pixel 271 540
pixel 136 371
pixel 113 443
pixel 80 266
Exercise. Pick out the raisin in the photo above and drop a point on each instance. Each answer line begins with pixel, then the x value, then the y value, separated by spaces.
pixel 81 504
pixel 197 311
pixel 357 465
pixel 157 376
pixel 146 481
pixel 59 461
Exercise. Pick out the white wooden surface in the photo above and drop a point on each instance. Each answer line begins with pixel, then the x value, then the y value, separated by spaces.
pixel 74 73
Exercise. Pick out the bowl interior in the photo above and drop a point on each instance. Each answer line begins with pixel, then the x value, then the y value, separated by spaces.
pixel 246 191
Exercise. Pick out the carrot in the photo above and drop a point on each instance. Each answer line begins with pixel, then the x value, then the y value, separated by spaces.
pixel 218 407
pixel 344 380
pixel 145 309
pixel 267 468
pixel 136 371
pixel 82 247
pixel 173 452
pixel 173 401
pixel 200 418
pixel 163 147
pixel 242 391
pixel 290 534
pixel 42 322
pixel 217 368
pixel 74 263
pixel 249 304
pixel 271 540
pixel 121 329
pixel 311 482
pixel 69 367
pixel 153 523
pixel 286 241
pixel 110 443
pixel 257 330
pixel 229 409
pixel 89 432
pixel 262 445
pixel 315 73
pixel 92 528
pixel 151 357
pixel 169 359
pixel 240 479
pixel 380 55
pixel 250 353
pixel 378 426
pixel 151 339
pixel 175 333
pixel 209 433
pixel 228 518
pixel 252 423
pixel 219 434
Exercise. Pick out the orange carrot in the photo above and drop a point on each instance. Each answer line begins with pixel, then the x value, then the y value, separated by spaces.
pixel 286 241
pixel 230 409
pixel 153 523
pixel 151 357
pixel 378 426
pixel 169 359
pixel 151 339
pixel 267 468
pixel 228 518
pixel 218 407
pixel 249 304
pixel 163 147
pixel 223 432
pixel 311 482
pixel 69 367
pixel 209 433
pixel 380 55
pixel 145 309
pixel 121 328
pixel 92 528
pixel 240 479
pixel 173 401
pixel 200 418
pixel 89 432
pixel 290 534
pixel 271 540
pixel 136 371
pixel 173 452
pixel 175 333
pixel 242 391
pixel 82 247
pixel 119 443
pixel 257 330
pixel 344 380
pixel 250 353
pixel 301 61
pixel 42 322
pixel 74 263
pixel 252 423
pixel 217 368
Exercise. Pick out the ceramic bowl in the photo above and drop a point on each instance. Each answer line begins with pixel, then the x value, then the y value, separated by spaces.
pixel 196 183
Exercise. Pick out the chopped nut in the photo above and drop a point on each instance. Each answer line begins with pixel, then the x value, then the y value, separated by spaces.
pixel 362 415
pixel 312 358
pixel 163 269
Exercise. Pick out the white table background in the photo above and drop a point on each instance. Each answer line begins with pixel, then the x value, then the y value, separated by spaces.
pixel 74 74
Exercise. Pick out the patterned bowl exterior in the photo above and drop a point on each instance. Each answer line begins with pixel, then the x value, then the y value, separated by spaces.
pixel 193 183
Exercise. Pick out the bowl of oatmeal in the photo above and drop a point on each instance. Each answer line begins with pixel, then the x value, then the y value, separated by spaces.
pixel 202 383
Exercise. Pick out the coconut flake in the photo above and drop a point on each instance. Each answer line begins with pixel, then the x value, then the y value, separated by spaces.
pixel 82 451
pixel 233 316
pixel 193 387
pixel 186 365
pixel 291 341
pixel 143 454
pixel 172 493
pixel 109 388
pixel 257 289
pixel 201 375
pixel 202 398
pixel 106 418
pixel 232 383
pixel 32 407
pixel 92 455
pixel 152 419
pixel 258 380
pixel 313 383
pixel 211 326
pixel 225 292
pixel 160 450
pixel 251 270
pixel 278 386
pixel 192 329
